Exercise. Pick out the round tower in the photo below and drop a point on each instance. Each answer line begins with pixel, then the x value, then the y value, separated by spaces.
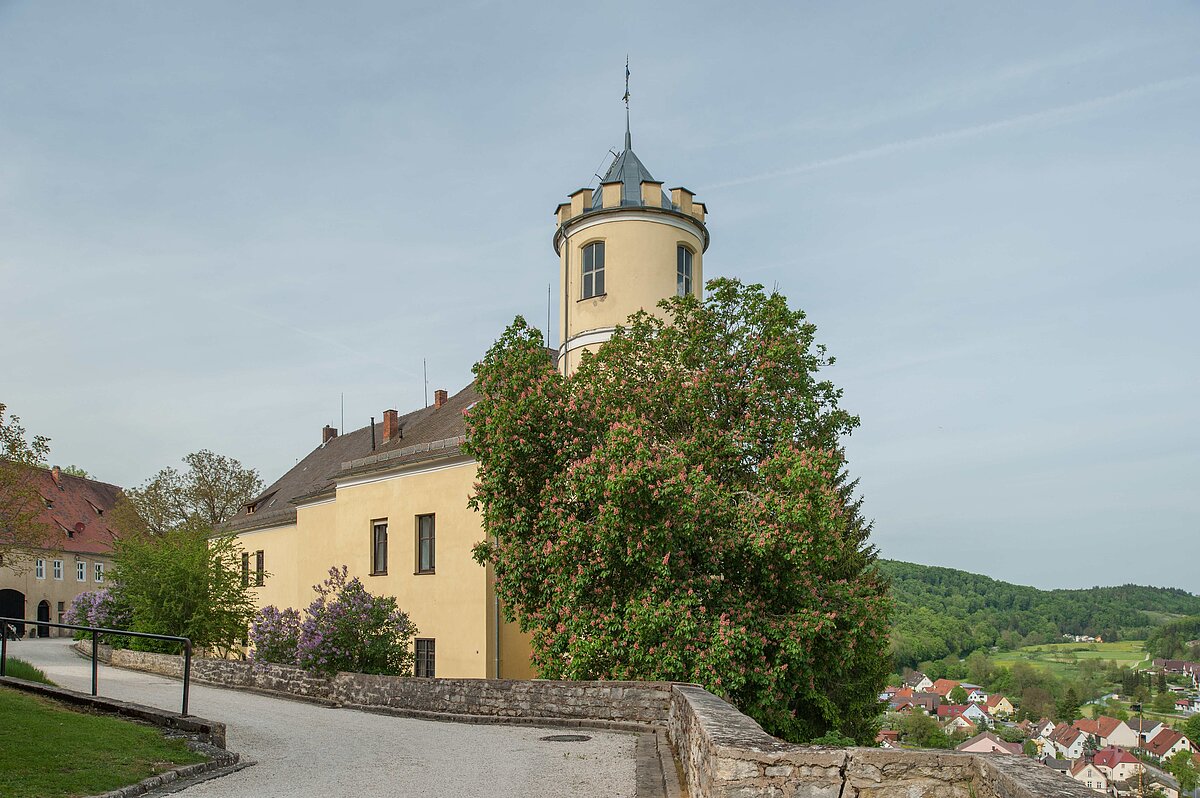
pixel 621 248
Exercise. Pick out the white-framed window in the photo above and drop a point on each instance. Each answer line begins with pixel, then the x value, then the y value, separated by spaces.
pixel 593 269
pixel 58 569
pixel 39 569
pixel 683 271
pixel 81 571
pixel 98 572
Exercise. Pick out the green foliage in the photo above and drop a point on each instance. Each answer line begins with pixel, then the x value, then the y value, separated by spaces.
pixel 1169 641
pixel 1030 748
pixel 20 502
pixel 1067 708
pixel 678 509
pixel 207 494
pixel 1183 768
pixel 1191 729
pixel 183 583
pixel 20 669
pixel 833 738
pixel 1163 702
pixel 958 695
pixel 923 731
pixel 942 611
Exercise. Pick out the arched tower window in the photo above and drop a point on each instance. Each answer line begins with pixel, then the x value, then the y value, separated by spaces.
pixel 593 270
pixel 683 271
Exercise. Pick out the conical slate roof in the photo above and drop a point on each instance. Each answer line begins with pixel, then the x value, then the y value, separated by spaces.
pixel 630 170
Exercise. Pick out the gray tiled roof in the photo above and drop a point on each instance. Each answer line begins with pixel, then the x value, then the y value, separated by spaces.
pixel 426 432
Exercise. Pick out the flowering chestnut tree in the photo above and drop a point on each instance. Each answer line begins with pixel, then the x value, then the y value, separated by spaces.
pixel 679 509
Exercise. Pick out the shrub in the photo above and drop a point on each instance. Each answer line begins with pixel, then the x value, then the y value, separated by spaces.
pixel 275 635
pixel 99 608
pixel 345 628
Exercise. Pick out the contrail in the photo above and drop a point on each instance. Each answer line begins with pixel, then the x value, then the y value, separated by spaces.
pixel 1049 114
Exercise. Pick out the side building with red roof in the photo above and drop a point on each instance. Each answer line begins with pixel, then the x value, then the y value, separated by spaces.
pixel 76 557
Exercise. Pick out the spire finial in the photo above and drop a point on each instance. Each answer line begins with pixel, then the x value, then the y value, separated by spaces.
pixel 628 138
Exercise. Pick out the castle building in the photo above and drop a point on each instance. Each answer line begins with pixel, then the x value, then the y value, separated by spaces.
pixel 390 500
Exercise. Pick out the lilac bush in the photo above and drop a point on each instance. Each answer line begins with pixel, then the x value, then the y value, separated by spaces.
pixel 98 608
pixel 275 633
pixel 345 628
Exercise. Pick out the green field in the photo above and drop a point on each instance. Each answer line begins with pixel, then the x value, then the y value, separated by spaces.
pixel 1062 659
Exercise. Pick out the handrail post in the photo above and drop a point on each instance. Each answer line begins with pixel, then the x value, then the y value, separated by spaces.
pixel 95 666
pixel 4 649
pixel 187 674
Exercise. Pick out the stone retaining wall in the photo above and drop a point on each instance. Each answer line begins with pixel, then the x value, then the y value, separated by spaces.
pixel 641 703
pixel 723 753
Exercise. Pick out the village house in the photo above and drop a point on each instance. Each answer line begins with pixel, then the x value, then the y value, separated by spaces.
pixel 998 707
pixel 989 743
pixel 959 723
pixel 1143 730
pixel 943 687
pixel 1117 764
pixel 918 682
pixel 971 712
pixel 76 557
pixel 1090 775
pixel 389 500
pixel 1069 742
pixel 888 738
pixel 1168 742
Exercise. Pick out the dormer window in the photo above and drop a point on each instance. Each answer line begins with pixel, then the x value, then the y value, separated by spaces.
pixel 593 270
pixel 683 271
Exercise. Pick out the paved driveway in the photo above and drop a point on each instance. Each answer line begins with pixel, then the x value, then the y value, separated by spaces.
pixel 309 750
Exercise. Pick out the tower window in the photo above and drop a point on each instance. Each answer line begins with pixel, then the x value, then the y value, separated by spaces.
pixel 593 270
pixel 683 271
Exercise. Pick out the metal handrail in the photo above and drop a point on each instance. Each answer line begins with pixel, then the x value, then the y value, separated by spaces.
pixel 97 630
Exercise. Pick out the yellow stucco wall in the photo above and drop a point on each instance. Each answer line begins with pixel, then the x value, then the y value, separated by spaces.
pixel 639 268
pixel 453 605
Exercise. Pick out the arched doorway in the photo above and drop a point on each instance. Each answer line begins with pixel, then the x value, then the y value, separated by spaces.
pixel 43 615
pixel 12 605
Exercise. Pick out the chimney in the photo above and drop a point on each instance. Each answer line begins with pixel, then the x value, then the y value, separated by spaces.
pixel 391 425
pixel 439 398
pixel 56 474
pixel 328 434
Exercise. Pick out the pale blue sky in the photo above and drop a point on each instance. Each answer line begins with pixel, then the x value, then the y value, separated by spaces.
pixel 217 217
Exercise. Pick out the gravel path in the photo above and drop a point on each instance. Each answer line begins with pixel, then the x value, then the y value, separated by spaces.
pixel 309 750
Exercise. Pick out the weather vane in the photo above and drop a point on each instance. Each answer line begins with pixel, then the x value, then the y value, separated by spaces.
pixel 628 138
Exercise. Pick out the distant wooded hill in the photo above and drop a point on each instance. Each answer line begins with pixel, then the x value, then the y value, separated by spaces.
pixel 942 611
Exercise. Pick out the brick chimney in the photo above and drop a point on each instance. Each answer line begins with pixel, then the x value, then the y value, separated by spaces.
pixel 391 425
pixel 56 474
pixel 328 434
pixel 439 398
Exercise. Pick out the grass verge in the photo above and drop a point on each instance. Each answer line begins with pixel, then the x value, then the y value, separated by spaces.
pixel 47 751
pixel 20 669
